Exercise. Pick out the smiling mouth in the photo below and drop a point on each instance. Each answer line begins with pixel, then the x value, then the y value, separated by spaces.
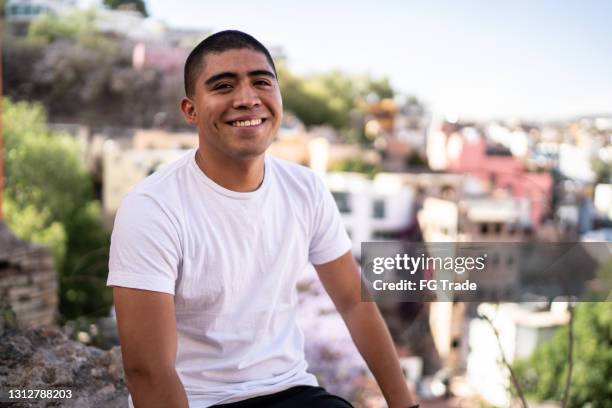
pixel 247 123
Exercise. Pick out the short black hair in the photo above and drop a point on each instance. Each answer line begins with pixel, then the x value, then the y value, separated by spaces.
pixel 218 43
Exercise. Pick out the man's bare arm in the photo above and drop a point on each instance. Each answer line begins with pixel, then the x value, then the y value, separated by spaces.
pixel 147 331
pixel 342 282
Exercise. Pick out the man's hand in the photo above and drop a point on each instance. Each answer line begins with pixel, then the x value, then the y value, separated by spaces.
pixel 147 331
pixel 342 282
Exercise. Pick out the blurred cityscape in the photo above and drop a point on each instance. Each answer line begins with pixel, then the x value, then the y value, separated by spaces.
pixel 109 81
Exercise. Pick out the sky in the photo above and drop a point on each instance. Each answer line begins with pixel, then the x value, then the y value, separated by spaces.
pixel 536 59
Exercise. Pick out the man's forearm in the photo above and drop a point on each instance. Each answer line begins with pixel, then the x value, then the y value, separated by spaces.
pixel 372 338
pixel 153 390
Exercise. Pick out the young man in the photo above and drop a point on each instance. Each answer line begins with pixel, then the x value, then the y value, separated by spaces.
pixel 206 253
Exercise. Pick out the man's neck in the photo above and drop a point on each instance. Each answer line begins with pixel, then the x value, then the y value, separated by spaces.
pixel 241 176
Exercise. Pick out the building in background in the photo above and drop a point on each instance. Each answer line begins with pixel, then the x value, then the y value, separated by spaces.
pixel 473 220
pixel 372 210
pixel 603 201
pixel 464 149
pixel 155 139
pixel 20 13
pixel 123 169
pixel 521 330
pixel 398 128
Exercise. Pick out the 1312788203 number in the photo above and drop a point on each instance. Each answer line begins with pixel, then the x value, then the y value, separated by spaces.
pixel 36 394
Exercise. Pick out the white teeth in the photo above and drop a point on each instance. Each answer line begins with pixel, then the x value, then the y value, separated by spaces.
pixel 242 123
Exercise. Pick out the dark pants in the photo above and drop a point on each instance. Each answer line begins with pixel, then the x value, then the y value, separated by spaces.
pixel 296 397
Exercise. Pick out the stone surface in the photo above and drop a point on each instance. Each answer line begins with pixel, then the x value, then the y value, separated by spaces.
pixel 44 358
pixel 28 281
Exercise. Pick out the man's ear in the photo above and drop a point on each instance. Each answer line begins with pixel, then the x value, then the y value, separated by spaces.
pixel 189 111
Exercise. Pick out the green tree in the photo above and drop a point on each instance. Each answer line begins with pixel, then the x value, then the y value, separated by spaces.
pixel 49 200
pixel 414 159
pixel 309 100
pixel 31 224
pixel 380 87
pixel 77 26
pixel 357 165
pixel 602 169
pixel 88 79
pixel 138 5
pixel 332 98
pixel 544 372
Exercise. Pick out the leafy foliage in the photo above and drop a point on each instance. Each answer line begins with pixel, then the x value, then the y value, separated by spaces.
pixel 49 200
pixel 545 371
pixel 357 165
pixel 332 98
pixel 76 25
pixel 37 226
pixel 603 170
pixel 138 5
pixel 83 76
pixel 415 159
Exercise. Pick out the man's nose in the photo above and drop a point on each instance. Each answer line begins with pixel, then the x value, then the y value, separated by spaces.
pixel 246 97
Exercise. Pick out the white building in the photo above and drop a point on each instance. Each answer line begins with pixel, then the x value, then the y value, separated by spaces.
pixel 520 331
pixel 372 210
pixel 25 11
pixel 517 141
pixel 603 200
pixel 599 235
pixel 436 148
pixel 575 163
pixel 473 219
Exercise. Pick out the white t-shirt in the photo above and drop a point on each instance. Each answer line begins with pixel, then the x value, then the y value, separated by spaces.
pixel 232 261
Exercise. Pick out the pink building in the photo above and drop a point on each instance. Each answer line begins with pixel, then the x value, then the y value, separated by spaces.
pixel 467 152
pixel 167 59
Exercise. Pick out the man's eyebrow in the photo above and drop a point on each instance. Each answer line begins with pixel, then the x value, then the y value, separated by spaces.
pixel 260 72
pixel 233 75
pixel 222 75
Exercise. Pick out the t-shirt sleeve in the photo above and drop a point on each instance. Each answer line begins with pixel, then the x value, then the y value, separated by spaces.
pixel 329 239
pixel 145 250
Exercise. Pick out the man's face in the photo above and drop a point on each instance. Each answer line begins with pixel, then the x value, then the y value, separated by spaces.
pixel 236 106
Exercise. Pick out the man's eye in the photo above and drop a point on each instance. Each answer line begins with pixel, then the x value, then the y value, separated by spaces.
pixel 262 82
pixel 222 86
